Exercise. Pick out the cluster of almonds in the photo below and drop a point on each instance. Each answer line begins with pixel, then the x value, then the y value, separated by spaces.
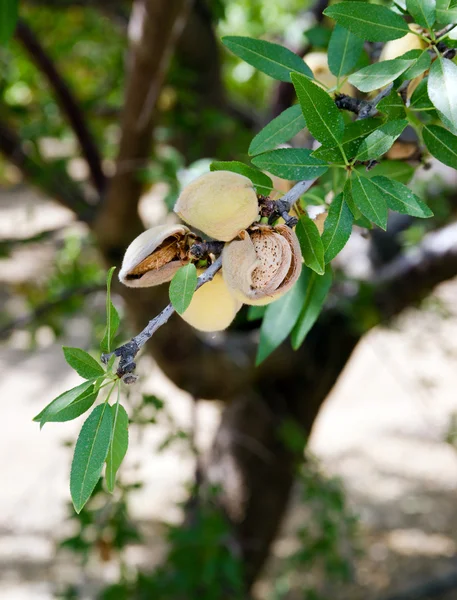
pixel 259 262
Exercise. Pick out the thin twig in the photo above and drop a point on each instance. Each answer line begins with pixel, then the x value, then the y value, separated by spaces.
pixel 128 351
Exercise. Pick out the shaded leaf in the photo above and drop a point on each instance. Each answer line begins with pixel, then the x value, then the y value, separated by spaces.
pixel 370 22
pixel 90 454
pixel 442 85
pixel 379 74
pixel 261 182
pixel 274 60
pixel 392 106
pixel 322 117
pixel 337 228
pixel 446 12
pixel 344 51
pixel 280 318
pixel 182 287
pixel 291 163
pixel 422 61
pixel 420 98
pixel 422 11
pixel 381 140
pixel 442 144
pixel 112 317
pixel 368 199
pixel 310 243
pixel 119 444
pixel 82 362
pixel 401 198
pixel 279 130
pixel 8 19
pixel 394 169
pixel 316 293
pixel 353 135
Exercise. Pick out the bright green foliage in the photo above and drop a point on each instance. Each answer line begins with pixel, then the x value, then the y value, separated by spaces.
pixel 119 444
pixel 280 318
pixel 317 289
pixel 442 85
pixel 337 228
pixel 182 287
pixel 322 117
pixel 291 163
pixel 8 19
pixel 90 454
pixel 82 363
pixel 442 144
pixel 344 51
pixel 279 130
pixel 370 22
pixel 262 182
pixel 52 411
pixel 401 198
pixel 379 74
pixel 274 60
pixel 112 317
pixel 310 244
pixel 422 11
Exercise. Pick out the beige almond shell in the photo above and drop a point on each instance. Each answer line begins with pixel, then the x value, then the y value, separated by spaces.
pixel 153 257
pixel 212 307
pixel 220 204
pixel 263 265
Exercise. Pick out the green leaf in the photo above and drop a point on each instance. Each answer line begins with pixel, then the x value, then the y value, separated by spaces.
pixel 392 106
pixel 370 22
pixel 82 362
pixel 441 144
pixel 90 454
pixel 318 36
pixel 112 317
pixel 420 98
pixel 274 60
pixel 182 287
pixel 316 293
pixel 322 117
pixel 368 199
pixel 278 131
pixel 442 85
pixel 280 318
pixel 422 61
pixel 394 169
pixel 79 406
pixel 337 228
pixel 401 198
pixel 446 12
pixel 61 402
pixel 8 19
pixel 261 182
pixel 310 244
pixel 255 313
pixel 379 74
pixel 344 51
pixel 119 444
pixel 422 11
pixel 381 140
pixel 354 133
pixel 291 163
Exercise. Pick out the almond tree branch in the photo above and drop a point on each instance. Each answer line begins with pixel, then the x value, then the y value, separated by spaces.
pixel 128 351
pixel 66 100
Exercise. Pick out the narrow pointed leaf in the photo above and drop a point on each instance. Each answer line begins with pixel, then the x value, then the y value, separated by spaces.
pixel 401 199
pixel 274 60
pixel 394 169
pixel 261 181
pixel 279 130
pixel 316 293
pixel 381 140
pixel 337 228
pixel 61 402
pixel 422 61
pixel 441 144
pixel 392 107
pixel 280 318
pixel 112 317
pixel 119 444
pixel 74 410
pixel 442 86
pixel 291 163
pixel 344 51
pixel 354 133
pixel 420 98
pixel 422 11
pixel 90 454
pixel 379 74
pixel 322 117
pixel 310 244
pixel 8 20
pixel 369 200
pixel 82 362
pixel 370 22
pixel 182 287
